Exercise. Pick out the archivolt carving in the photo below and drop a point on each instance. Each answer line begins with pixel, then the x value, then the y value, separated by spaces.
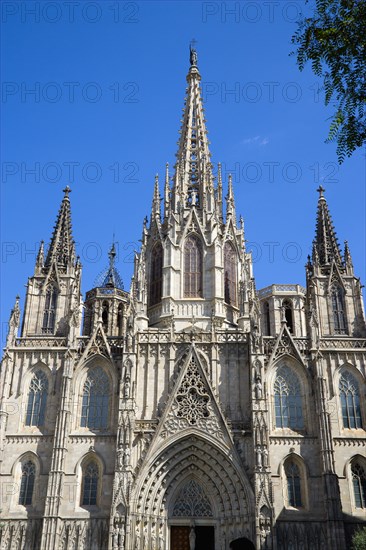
pixel 188 458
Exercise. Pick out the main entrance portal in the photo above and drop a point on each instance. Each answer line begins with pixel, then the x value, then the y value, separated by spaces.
pixel 180 538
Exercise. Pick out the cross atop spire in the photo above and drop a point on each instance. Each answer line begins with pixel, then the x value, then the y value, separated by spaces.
pixel 62 248
pixel 326 242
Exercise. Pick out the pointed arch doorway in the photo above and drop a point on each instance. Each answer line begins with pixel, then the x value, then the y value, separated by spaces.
pixel 193 510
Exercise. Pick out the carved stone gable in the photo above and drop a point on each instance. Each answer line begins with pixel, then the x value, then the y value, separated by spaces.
pixel 192 405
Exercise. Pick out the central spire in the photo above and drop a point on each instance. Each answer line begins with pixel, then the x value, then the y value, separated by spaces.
pixel 193 179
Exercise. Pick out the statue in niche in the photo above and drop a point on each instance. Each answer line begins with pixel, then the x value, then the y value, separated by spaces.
pixel 258 387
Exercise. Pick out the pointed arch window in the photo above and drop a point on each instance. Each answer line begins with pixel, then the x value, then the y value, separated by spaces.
pixel 105 316
pixel 287 305
pixel 338 310
pixel 49 315
pixel 156 275
pixel 27 483
pixel 267 319
pixel 288 400
pixel 350 401
pixel 37 400
pixel 293 481
pixel 230 274
pixel 192 267
pixel 90 484
pixel 359 484
pixel 120 319
pixel 95 400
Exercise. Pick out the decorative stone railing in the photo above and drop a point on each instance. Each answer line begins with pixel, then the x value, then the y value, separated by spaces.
pixel 274 289
pixel 41 342
pixel 343 343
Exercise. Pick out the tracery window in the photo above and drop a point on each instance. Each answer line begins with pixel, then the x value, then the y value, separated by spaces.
pixel 338 310
pixel 350 401
pixel 90 484
pixel 293 479
pixel 95 401
pixel 156 274
pixel 288 400
pixel 192 502
pixel 359 484
pixel 37 400
pixel 230 278
pixel 27 483
pixel 192 267
pixel 120 319
pixel 49 315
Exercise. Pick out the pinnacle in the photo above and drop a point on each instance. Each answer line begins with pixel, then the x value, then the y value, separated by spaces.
pixel 61 250
pixel 326 242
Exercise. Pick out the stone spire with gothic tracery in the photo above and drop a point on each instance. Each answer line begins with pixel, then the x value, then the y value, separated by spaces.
pixel 62 248
pixel 193 178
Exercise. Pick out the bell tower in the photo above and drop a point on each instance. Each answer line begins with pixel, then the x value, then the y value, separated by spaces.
pixel 193 266
pixel 53 297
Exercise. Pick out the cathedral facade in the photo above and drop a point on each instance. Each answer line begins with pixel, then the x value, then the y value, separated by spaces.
pixel 193 412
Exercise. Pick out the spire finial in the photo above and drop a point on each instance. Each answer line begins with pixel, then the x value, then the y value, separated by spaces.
pixel 66 191
pixel 321 191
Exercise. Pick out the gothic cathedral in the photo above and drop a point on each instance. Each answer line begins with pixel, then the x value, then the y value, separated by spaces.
pixel 194 412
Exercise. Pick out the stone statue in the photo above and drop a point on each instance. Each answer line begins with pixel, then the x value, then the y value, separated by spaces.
pixel 258 456
pixel 146 538
pixel 265 456
pixel 126 456
pixel 193 57
pixel 115 538
pixel 127 387
pixel 137 538
pixel 161 539
pixel 192 539
pixel 258 388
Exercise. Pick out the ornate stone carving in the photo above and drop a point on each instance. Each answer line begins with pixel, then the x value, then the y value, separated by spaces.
pixel 192 502
pixel 192 405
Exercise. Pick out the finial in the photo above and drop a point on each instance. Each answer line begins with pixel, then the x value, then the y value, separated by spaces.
pixel 66 191
pixel 112 253
pixel 321 190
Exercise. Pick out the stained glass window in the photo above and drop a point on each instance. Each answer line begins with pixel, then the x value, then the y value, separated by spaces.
pixel 37 400
pixel 359 484
pixel 288 400
pixel 230 279
pixel 192 268
pixel 90 484
pixel 293 484
pixel 49 315
pixel 27 483
pixel 95 403
pixel 350 401
pixel 156 274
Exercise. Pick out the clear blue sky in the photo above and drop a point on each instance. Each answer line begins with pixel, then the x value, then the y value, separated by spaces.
pixel 109 81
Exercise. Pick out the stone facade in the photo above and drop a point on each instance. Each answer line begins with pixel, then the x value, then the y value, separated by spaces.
pixel 193 411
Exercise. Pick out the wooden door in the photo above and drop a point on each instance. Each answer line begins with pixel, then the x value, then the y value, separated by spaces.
pixel 179 537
